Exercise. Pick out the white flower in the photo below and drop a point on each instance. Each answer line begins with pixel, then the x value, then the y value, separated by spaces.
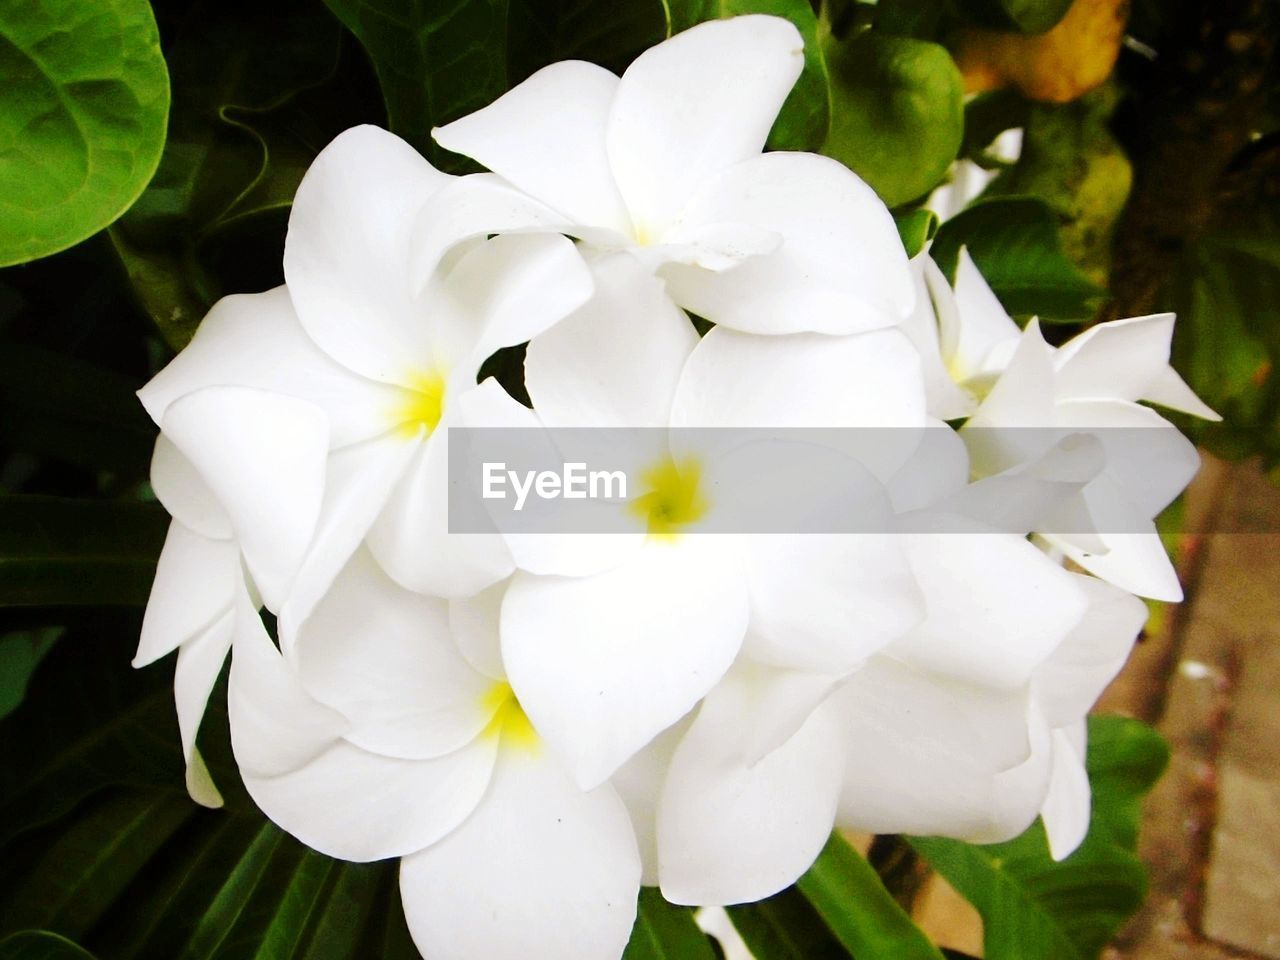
pixel 370 735
pixel 666 163
pixel 609 640
pixel 1021 395
pixel 382 368
pixel 191 606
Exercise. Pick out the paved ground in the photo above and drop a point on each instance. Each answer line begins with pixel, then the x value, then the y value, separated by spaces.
pixel 1208 676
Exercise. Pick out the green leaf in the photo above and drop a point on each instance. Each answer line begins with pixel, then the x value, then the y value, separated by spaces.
pixel 56 551
pixel 435 62
pixel 101 844
pixel 88 722
pixel 897 112
pixel 1226 293
pixel 601 31
pixel 256 94
pixel 1015 243
pixel 41 945
pixel 1036 909
pixel 83 109
pixel 847 892
pixel 664 931
pixel 805 118
pixel 916 228
pixel 74 411
pixel 1029 16
pixel 785 927
pixel 20 654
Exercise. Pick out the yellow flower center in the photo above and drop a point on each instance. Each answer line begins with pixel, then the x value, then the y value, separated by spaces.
pixel 673 499
pixel 509 721
pixel 421 404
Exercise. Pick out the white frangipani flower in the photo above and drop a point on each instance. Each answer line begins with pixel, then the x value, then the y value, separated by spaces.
pixel 665 162
pixel 192 601
pixel 370 735
pixel 603 662
pixel 381 366
pixel 1021 394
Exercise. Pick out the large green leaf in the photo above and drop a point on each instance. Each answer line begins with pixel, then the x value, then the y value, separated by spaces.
pixel 83 108
pixel 435 61
pixel 805 118
pixel 41 945
pixel 56 551
pixel 786 927
pixel 897 112
pixel 848 894
pixel 664 931
pixel 606 32
pixel 1015 243
pixel 1036 909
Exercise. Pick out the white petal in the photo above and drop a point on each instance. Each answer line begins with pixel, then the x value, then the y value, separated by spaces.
pixel 695 104
pixel 1069 802
pixel 840 268
pixel 729 832
pixel 1170 390
pixel 505 291
pixel 1132 555
pixel 541 869
pixel 473 621
pixel 276 726
pixel 255 340
pixel 199 663
pixel 547 137
pixel 546 550
pixel 355 805
pixel 385 659
pixel 925 755
pixel 997 607
pixel 602 664
pixel 347 253
pixel 934 301
pixel 182 491
pixel 1119 360
pixel 1010 427
pixel 737 380
pixel 411 538
pixel 639 783
pixel 1145 455
pixel 1068 683
pixel 616 361
pixel 826 602
pixel 978 325
pixel 195 585
pixel 357 487
pixel 337 798
pixel 263 455
pixel 482 204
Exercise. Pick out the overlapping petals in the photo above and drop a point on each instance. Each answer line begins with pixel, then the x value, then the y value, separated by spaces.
pixel 537 721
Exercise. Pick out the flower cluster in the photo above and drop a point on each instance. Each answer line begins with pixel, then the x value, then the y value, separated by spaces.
pixel 538 724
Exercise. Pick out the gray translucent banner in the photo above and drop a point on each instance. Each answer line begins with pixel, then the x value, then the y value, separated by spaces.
pixel 1071 481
